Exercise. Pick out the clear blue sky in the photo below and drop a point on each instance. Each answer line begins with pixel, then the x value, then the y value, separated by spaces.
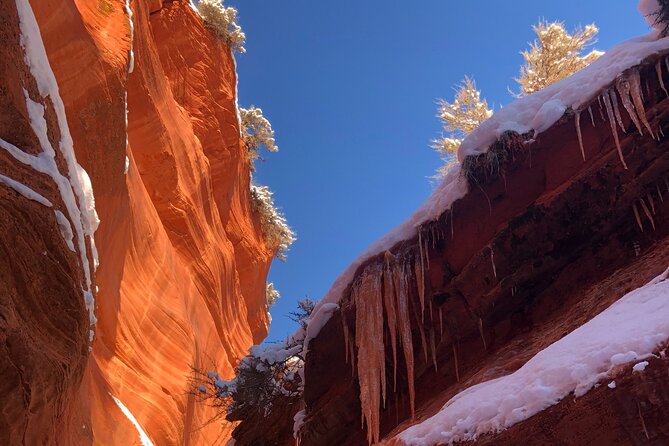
pixel 350 88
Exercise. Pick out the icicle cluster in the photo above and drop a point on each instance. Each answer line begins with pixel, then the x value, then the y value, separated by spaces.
pixel 628 92
pixel 384 295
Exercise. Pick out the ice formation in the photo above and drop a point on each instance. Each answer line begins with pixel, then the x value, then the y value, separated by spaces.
pixel 74 186
pixel 131 28
pixel 572 365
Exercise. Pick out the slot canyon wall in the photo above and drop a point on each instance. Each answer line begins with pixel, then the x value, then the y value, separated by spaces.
pixel 149 97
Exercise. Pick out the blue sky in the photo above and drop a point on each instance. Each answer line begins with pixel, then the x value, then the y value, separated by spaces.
pixel 350 88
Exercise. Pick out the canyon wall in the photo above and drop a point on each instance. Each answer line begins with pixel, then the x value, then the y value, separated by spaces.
pixel 150 100
pixel 547 238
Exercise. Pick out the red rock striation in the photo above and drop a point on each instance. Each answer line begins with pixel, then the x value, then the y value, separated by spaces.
pixel 181 280
pixel 542 243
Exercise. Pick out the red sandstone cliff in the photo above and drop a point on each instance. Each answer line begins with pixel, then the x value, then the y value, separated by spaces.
pixel 543 242
pixel 181 279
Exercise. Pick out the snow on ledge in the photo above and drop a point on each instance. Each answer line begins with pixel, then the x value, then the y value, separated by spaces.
pixel 574 364
pixel 540 110
pixel 143 438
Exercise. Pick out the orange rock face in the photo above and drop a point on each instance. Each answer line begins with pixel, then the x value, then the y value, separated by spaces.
pixel 181 280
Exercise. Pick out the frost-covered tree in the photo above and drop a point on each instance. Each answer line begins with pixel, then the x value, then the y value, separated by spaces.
pixel 459 118
pixel 272 294
pixel 222 21
pixel 266 374
pixel 555 55
pixel 276 231
pixel 304 309
pixel 256 131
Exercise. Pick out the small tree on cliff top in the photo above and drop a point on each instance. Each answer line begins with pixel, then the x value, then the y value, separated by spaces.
pixel 276 231
pixel 256 131
pixel 555 55
pixel 459 118
pixel 222 21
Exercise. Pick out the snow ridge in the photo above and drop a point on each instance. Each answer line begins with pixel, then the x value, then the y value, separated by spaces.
pixel 75 189
pixel 574 364
pixel 143 437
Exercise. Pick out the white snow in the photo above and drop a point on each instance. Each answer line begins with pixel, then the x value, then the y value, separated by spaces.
pixel 572 365
pixel 127 165
pixel 75 189
pixel 25 191
pixel 143 438
pixel 298 422
pixel 611 385
pixel 539 111
pixel 131 26
pixel 640 367
pixel 65 229
pixel 648 8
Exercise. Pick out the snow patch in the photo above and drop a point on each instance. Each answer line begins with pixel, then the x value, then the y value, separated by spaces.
pixel 640 367
pixel 611 385
pixel 572 365
pixel 75 189
pixel 143 438
pixel 65 229
pixel 25 191
pixel 131 27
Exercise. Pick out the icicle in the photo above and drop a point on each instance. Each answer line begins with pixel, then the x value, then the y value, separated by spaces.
pixel 455 359
pixel 592 118
pixel 420 285
pixel 658 70
pixel 625 91
pixel 647 212
pixel 485 346
pixel 513 291
pixel 492 262
pixel 433 345
pixel 616 109
pixel 389 300
pixel 345 329
pixel 601 113
pixel 405 332
pixel 659 192
pixel 371 350
pixel 577 122
pixel 652 203
pixel 433 239
pixel 609 112
pixel 427 253
pixel 635 90
pixel 637 216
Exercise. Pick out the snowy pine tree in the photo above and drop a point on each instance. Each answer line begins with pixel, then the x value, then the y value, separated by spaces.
pixel 459 118
pixel 222 21
pixel 555 55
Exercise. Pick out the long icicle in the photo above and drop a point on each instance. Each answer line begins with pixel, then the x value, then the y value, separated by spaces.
pixel 616 109
pixel 389 300
pixel 405 331
pixel 592 117
pixel 659 192
pixel 433 345
pixel 420 282
pixel 658 70
pixel 625 91
pixel 485 346
pixel 652 203
pixel 492 262
pixel 577 122
pixel 609 112
pixel 455 358
pixel 637 216
pixel 647 212
pixel 637 98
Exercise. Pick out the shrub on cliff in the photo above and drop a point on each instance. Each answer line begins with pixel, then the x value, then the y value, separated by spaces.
pixel 459 118
pixel 222 21
pixel 276 231
pixel 271 294
pixel 256 131
pixel 267 374
pixel 555 55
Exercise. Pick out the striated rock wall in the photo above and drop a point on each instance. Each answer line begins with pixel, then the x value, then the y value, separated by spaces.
pixel 181 280
pixel 544 241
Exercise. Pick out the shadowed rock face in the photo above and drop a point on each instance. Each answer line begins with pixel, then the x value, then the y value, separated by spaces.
pixel 543 243
pixel 181 281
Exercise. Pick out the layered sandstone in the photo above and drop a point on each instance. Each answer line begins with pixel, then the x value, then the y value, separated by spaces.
pixel 181 281
pixel 545 240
